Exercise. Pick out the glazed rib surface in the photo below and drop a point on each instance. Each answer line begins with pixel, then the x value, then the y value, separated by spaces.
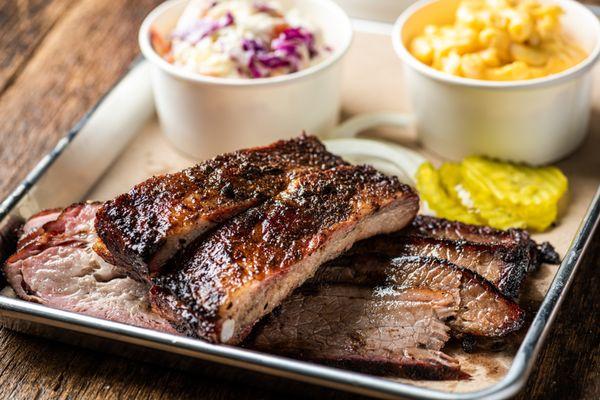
pixel 142 229
pixel 244 269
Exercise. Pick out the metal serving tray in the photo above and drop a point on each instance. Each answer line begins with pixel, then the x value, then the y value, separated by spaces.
pixel 72 172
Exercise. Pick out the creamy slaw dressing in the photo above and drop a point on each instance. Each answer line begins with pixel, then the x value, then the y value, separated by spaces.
pixel 244 39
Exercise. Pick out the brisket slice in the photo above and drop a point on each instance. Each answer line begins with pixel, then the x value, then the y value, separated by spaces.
pixel 244 269
pixel 142 229
pixel 440 228
pixel 483 310
pixel 505 267
pixel 55 265
pixel 501 257
pixel 355 327
pixel 359 299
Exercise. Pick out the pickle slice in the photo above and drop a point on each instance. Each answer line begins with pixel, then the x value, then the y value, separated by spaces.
pixel 502 195
pixel 451 178
pixel 479 203
pixel 528 196
pixel 494 214
pixel 444 204
pixel 515 185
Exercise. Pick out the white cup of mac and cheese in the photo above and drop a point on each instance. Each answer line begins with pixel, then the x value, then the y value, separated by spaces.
pixel 536 121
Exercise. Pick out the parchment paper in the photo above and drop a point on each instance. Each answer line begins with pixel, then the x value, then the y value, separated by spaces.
pixel 373 82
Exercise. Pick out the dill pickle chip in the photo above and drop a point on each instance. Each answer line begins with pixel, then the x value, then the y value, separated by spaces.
pixel 494 214
pixel 515 185
pixel 527 196
pixel 451 178
pixel 498 194
pixel 444 205
pixel 487 210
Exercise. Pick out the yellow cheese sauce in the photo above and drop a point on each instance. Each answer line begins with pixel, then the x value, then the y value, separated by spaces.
pixel 499 40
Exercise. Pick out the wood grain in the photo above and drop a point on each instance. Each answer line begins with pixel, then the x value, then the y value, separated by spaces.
pixel 56 59
pixel 568 367
pixel 88 49
pixel 23 27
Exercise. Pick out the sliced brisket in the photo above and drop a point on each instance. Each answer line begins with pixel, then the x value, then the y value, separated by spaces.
pixel 142 229
pixel 356 327
pixel 483 310
pixel 505 267
pixel 501 257
pixel 56 266
pixel 244 269
pixel 370 307
pixel 452 230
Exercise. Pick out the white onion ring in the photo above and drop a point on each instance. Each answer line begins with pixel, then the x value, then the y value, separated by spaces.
pixel 388 157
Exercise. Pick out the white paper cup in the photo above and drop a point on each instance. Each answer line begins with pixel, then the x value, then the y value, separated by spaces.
pixel 535 121
pixel 204 116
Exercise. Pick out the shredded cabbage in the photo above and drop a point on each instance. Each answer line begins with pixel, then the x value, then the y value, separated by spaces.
pixel 203 28
pixel 288 50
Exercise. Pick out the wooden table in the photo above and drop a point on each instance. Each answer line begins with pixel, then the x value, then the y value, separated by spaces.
pixel 57 57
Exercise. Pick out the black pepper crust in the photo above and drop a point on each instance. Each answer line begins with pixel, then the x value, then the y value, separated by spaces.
pixel 266 241
pixel 135 226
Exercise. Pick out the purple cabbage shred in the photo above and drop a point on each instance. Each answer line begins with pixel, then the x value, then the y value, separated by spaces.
pixel 203 28
pixel 285 51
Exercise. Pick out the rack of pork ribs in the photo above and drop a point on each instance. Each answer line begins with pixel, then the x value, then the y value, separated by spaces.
pixel 285 249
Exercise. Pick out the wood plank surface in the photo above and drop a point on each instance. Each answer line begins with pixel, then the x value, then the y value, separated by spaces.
pixel 56 59
pixel 24 25
pixel 81 58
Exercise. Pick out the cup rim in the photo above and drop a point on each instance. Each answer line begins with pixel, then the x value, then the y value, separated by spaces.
pixel 151 55
pixel 433 73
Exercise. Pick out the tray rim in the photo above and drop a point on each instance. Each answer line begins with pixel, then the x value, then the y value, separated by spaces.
pixel 335 378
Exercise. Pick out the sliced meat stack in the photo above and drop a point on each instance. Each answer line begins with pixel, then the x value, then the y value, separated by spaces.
pixel 56 266
pixel 211 250
pixel 244 269
pixel 142 229
pixel 502 257
pixel 431 256
pixel 358 327
pixel 366 307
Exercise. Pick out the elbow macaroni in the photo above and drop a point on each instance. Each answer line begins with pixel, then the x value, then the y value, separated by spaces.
pixel 499 40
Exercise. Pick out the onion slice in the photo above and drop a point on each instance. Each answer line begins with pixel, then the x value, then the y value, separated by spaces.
pixel 388 157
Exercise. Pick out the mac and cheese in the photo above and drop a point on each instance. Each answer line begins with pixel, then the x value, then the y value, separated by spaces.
pixel 499 40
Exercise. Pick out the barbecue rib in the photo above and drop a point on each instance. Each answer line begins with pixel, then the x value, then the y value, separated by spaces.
pixel 56 266
pixel 142 229
pixel 244 269
pixel 356 327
